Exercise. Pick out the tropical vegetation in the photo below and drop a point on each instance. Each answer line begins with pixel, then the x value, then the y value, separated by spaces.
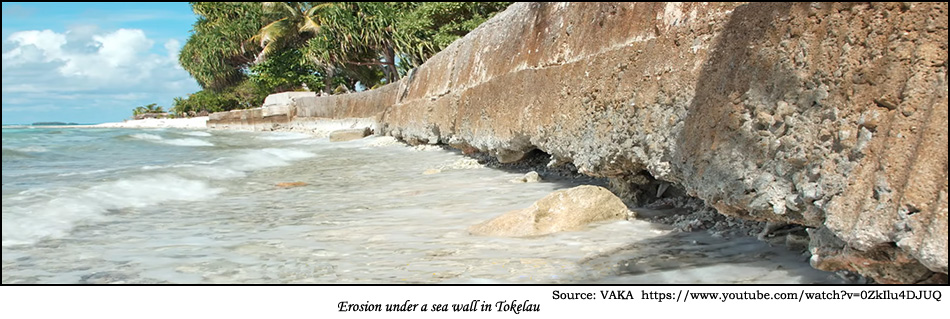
pixel 241 52
pixel 147 109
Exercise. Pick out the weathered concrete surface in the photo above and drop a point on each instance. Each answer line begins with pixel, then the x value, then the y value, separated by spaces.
pixel 360 104
pixel 286 98
pixel 563 210
pixel 832 116
pixel 303 111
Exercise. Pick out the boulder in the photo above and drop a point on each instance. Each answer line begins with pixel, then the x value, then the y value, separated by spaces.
pixel 563 210
pixel 349 134
pixel 530 177
pixel 509 156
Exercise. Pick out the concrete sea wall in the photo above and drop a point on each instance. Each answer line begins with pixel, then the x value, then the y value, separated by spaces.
pixel 827 115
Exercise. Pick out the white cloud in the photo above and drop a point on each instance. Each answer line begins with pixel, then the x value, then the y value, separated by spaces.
pixel 173 47
pixel 34 45
pixel 123 46
pixel 122 56
pixel 103 67
pixel 118 56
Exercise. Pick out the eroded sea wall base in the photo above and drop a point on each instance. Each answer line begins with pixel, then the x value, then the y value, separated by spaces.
pixel 830 115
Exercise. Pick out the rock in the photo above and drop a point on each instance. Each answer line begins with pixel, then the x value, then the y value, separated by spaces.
pixel 882 102
pixel 465 148
pixel 426 147
pixel 106 277
pixel 530 177
pixel 464 163
pixel 385 141
pixel 349 134
pixel 884 264
pixel 661 189
pixel 509 156
pixel 563 210
pixel 796 242
pixel 291 184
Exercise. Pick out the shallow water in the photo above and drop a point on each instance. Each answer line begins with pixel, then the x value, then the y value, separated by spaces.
pixel 175 206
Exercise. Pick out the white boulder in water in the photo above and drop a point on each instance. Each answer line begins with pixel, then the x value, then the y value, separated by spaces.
pixel 563 210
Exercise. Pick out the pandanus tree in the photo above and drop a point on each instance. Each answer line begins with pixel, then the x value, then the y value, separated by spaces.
pixel 218 51
pixel 351 39
pixel 428 27
pixel 365 34
pixel 355 34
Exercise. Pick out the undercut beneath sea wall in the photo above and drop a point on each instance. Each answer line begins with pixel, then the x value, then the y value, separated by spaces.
pixel 829 115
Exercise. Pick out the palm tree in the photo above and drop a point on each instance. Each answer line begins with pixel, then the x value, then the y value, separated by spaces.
pixel 138 111
pixel 152 109
pixel 336 52
pixel 294 23
pixel 179 107
pixel 351 39
pixel 147 109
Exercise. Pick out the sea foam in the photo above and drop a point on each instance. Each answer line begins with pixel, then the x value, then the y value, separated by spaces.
pixel 188 142
pixel 281 136
pixel 269 157
pixel 197 133
pixel 146 136
pixel 36 214
pixel 178 141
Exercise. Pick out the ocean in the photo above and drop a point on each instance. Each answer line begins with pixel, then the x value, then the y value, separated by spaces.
pixel 85 205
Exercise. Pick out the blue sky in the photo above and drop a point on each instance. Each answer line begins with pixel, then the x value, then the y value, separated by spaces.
pixel 91 62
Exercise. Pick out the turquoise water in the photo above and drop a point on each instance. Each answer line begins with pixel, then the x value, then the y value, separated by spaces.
pixel 54 177
pixel 84 205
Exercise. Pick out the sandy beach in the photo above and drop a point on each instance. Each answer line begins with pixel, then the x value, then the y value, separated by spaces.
pixel 187 123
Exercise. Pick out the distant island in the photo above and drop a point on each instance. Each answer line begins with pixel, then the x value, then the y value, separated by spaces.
pixel 53 123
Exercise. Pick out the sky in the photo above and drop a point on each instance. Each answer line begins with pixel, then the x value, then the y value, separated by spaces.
pixel 92 62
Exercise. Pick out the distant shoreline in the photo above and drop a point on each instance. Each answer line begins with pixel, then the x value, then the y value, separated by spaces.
pixel 188 123
pixel 199 122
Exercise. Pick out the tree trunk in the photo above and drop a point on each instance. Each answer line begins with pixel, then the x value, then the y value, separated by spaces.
pixel 386 74
pixel 328 80
pixel 390 55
